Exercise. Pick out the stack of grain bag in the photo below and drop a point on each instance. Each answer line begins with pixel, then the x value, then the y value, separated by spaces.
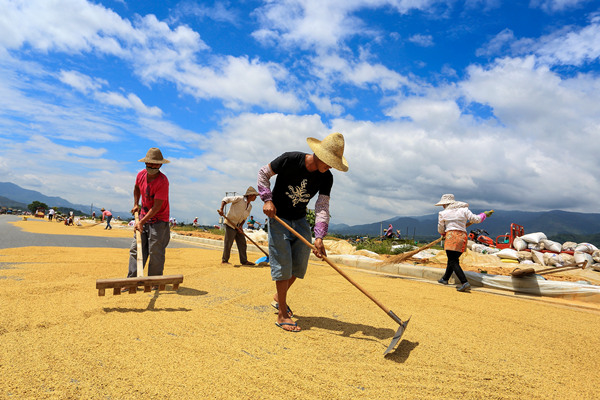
pixel 536 248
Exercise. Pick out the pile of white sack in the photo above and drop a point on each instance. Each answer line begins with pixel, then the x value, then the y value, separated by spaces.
pixel 527 249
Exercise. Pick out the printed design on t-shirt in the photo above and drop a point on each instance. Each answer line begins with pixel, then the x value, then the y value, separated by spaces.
pixel 298 194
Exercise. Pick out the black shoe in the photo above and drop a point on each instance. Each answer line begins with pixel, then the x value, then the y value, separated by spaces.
pixel 442 281
pixel 464 287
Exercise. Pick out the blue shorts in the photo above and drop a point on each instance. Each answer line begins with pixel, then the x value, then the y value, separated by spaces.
pixel 288 255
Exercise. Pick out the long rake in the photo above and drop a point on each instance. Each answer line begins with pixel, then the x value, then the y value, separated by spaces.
pixel 389 312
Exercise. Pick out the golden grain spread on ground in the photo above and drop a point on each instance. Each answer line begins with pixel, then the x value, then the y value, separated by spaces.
pixel 216 338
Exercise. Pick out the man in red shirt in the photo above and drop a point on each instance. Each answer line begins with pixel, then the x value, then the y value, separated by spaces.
pixel 152 186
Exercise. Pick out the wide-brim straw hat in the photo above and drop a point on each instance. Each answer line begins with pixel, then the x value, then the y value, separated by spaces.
pixel 446 199
pixel 330 150
pixel 251 192
pixel 154 156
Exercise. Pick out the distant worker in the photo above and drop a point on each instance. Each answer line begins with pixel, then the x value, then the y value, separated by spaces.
pixel 236 216
pixel 452 224
pixel 108 216
pixel 300 177
pixel 252 223
pixel 51 214
pixel 94 215
pixel 389 232
pixel 195 223
pixel 152 187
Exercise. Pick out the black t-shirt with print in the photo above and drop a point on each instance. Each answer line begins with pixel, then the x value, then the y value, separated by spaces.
pixel 295 186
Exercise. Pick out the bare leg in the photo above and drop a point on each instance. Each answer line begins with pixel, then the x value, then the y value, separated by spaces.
pixel 281 298
pixel 276 297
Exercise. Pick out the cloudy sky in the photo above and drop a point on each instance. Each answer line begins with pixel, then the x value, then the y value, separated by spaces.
pixel 495 101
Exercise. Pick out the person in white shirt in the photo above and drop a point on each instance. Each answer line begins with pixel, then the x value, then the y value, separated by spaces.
pixel 452 224
pixel 236 216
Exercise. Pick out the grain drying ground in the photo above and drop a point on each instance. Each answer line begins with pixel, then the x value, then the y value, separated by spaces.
pixel 216 338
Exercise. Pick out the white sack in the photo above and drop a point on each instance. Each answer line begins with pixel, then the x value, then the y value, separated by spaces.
pixel 596 256
pixel 535 246
pixel 483 249
pixel 478 248
pixel 551 245
pixel 569 246
pixel 510 254
pixel 519 244
pixel 537 257
pixel 534 237
pixel 586 248
pixel 524 256
pixel 581 257
pixel 567 258
pixel 553 260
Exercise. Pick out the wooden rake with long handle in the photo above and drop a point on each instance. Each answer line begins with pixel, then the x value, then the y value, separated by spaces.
pixel 132 284
pixel 389 312
pixel 526 272
pixel 401 257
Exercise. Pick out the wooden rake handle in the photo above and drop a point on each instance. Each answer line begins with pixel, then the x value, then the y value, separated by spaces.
pixel 140 255
pixel 339 271
pixel 249 238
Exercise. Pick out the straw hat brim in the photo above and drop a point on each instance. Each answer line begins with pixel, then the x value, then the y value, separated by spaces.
pixel 328 157
pixel 152 161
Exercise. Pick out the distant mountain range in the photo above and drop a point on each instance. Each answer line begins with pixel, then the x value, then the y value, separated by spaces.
pixel 552 223
pixel 14 196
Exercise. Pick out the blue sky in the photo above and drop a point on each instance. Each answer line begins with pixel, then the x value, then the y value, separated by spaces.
pixel 496 102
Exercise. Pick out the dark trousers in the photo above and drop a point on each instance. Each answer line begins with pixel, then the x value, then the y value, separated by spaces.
pixel 232 235
pixel 454 266
pixel 155 239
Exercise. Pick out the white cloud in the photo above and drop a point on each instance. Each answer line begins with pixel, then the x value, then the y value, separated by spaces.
pixel 317 24
pixel 238 81
pixel 81 82
pixel 557 5
pixel 326 106
pixel 574 47
pixel 156 51
pixel 422 40
pixel 131 101
pixel 341 70
pixel 426 112
pixel 219 11
pixel 533 101
pixel 567 46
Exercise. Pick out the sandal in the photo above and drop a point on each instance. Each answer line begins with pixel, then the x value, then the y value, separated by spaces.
pixel 275 305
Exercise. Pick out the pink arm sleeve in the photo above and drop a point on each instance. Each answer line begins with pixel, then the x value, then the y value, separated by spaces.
pixel 321 216
pixel 264 183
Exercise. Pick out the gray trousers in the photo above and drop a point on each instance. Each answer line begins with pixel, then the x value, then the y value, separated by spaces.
pixel 155 238
pixel 231 235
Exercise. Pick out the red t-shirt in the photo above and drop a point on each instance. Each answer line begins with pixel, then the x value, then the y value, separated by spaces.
pixel 157 189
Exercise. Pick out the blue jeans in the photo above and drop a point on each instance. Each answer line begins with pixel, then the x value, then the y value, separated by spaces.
pixel 155 238
pixel 108 218
pixel 288 255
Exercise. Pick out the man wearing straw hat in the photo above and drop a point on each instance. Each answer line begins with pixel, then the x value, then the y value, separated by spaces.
pixel 300 177
pixel 236 216
pixel 152 186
